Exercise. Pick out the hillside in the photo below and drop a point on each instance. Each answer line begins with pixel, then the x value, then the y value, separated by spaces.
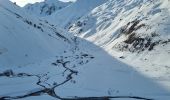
pixel 46 7
pixel 73 12
pixel 25 39
pixel 134 31
pixel 108 51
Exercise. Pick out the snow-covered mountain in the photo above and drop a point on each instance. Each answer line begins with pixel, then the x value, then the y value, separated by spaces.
pixel 136 31
pixel 25 39
pixel 75 11
pixel 40 61
pixel 46 7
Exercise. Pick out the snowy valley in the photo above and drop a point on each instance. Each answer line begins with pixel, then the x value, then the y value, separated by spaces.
pixel 85 50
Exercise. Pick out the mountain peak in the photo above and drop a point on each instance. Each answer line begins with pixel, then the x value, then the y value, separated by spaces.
pixel 46 7
pixel 73 12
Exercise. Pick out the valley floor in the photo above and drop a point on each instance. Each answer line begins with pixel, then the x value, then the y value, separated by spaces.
pixel 88 71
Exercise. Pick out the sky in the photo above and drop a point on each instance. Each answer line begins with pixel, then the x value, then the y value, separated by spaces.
pixel 24 2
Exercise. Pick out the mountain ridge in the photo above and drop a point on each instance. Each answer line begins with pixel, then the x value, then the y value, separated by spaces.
pixel 46 7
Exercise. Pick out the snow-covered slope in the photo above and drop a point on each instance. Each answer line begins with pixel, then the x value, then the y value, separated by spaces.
pixel 138 27
pixel 25 39
pixel 46 7
pixel 70 14
pixel 135 31
pixel 41 62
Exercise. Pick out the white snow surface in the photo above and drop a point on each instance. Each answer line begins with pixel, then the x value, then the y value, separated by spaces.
pixel 46 7
pixel 39 55
pixel 73 12
pixel 23 43
pixel 107 26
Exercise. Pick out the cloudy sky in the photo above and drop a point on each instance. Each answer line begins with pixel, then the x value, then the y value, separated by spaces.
pixel 23 2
